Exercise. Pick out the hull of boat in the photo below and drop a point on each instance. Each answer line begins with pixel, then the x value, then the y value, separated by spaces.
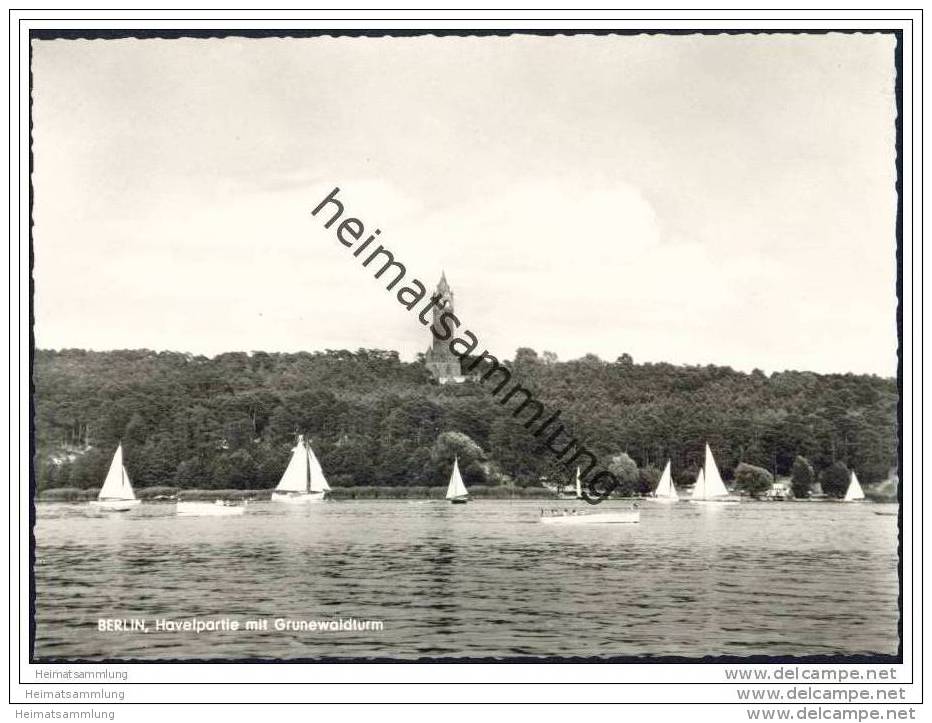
pixel 459 500
pixel 714 502
pixel 596 518
pixel 300 499
pixel 208 509
pixel 664 500
pixel 115 505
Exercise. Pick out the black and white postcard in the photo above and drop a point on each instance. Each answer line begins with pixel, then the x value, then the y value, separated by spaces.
pixel 470 343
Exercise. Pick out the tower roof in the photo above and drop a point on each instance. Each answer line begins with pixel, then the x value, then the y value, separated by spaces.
pixel 443 285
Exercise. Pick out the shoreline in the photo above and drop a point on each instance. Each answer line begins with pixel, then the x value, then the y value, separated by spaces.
pixel 171 494
pixel 166 494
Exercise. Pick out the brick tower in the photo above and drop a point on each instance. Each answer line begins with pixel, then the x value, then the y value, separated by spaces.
pixel 442 363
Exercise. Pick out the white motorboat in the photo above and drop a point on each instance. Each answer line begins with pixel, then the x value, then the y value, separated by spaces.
pixel 585 517
pixel 218 508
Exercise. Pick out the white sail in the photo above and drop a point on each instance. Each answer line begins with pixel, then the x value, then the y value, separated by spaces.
pixel 578 485
pixel 456 487
pixel 854 492
pixel 665 487
pixel 117 485
pixel 296 477
pixel 318 481
pixel 714 486
pixel 699 487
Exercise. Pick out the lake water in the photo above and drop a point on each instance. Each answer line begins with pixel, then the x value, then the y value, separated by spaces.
pixel 483 579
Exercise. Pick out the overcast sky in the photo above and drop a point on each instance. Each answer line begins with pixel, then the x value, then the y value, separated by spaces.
pixel 691 199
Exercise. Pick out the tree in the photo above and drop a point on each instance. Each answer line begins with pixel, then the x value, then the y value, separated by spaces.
pixel 626 472
pixel 455 445
pixel 88 470
pixel 525 356
pixel 192 473
pixel 238 432
pixel 475 473
pixel 803 477
pixel 352 458
pixel 153 463
pixel 648 477
pixel 835 479
pixel 270 461
pixel 753 480
pixel 374 419
pixel 135 432
pixel 236 471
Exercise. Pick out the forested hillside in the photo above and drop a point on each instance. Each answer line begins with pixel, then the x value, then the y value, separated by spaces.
pixel 229 422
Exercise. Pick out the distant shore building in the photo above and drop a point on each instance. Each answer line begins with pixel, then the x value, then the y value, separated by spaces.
pixel 442 363
pixel 782 489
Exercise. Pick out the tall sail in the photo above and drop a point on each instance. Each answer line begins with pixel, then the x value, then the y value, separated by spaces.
pixel 296 477
pixel 699 487
pixel 318 481
pixel 456 487
pixel 665 488
pixel 854 492
pixel 117 485
pixel 714 486
pixel 578 486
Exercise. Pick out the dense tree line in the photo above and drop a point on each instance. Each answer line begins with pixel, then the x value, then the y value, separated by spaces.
pixel 229 422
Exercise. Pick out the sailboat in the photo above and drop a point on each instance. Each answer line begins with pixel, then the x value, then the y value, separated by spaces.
pixel 700 482
pixel 854 493
pixel 303 481
pixel 574 494
pixel 666 491
pixel 456 491
pixel 709 485
pixel 117 494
